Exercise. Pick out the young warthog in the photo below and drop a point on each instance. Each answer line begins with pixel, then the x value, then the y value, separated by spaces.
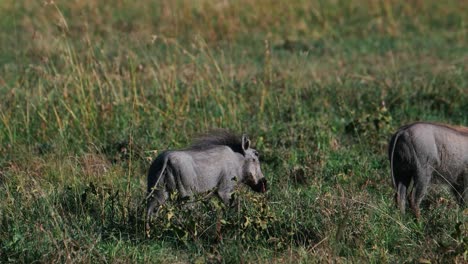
pixel 215 161
pixel 419 151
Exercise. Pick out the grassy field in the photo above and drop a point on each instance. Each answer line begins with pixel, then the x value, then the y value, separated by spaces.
pixel 91 91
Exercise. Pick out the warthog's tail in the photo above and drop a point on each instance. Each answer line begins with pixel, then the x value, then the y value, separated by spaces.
pixel 400 188
pixel 152 201
pixel 152 188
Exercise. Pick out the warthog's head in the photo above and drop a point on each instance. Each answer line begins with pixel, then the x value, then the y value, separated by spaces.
pixel 251 173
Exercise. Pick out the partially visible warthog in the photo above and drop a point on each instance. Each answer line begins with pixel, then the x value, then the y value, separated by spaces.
pixel 216 161
pixel 419 151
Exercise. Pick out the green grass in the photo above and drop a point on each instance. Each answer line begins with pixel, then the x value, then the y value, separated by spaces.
pixel 91 91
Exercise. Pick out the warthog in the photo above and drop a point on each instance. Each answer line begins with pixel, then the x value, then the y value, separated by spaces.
pixel 216 161
pixel 419 151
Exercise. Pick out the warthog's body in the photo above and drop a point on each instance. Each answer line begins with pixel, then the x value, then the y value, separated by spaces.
pixel 215 162
pixel 420 151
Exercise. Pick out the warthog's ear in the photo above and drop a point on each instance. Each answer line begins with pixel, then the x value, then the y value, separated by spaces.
pixel 245 142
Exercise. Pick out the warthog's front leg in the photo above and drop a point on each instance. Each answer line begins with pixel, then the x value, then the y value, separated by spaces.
pixel 225 190
pixel 225 197
pixel 461 188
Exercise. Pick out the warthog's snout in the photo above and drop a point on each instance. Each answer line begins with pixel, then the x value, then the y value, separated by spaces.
pixel 261 186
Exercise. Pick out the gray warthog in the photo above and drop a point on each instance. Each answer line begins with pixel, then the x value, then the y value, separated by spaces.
pixel 216 161
pixel 419 151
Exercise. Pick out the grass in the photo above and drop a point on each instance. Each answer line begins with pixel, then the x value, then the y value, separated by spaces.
pixel 92 91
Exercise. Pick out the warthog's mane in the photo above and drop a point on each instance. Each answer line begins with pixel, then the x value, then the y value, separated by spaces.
pixel 460 129
pixel 218 137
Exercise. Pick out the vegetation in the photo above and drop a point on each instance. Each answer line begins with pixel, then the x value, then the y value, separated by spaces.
pixel 91 91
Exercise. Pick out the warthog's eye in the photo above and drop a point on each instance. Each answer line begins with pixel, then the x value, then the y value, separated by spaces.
pixel 256 153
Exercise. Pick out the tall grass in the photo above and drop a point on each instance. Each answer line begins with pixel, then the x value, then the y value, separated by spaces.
pixel 91 91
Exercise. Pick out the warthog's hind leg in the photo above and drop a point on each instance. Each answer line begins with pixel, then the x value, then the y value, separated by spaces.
pixel 421 184
pixel 154 201
pixel 401 191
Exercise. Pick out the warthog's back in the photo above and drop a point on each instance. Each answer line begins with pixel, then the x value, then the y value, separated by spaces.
pixel 443 147
pixel 202 170
pixel 420 152
pixel 215 162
